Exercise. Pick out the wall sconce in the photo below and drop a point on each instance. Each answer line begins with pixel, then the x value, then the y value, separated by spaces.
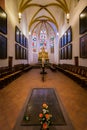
pixel 57 34
pixel 67 17
pixel 19 16
pixel 29 33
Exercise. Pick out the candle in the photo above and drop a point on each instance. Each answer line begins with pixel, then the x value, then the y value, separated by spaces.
pixel 43 60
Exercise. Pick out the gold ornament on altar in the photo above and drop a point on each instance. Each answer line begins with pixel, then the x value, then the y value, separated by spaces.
pixel 43 54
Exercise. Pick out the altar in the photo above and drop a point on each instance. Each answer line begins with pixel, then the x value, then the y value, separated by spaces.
pixel 43 54
pixel 43 59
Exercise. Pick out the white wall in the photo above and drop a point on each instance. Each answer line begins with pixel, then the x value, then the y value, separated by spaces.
pixel 12 20
pixel 74 23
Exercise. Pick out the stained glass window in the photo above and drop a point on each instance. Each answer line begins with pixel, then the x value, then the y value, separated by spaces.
pixel 43 39
pixel 34 42
pixel 52 44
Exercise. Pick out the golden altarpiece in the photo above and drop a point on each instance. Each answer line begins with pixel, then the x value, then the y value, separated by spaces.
pixel 43 54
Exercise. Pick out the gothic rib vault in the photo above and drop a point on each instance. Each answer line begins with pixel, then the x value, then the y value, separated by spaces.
pixel 47 11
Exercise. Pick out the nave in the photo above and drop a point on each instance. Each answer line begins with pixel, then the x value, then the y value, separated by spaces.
pixel 14 95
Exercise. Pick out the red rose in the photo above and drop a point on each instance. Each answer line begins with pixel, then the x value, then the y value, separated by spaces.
pixel 47 116
pixel 40 115
pixel 45 126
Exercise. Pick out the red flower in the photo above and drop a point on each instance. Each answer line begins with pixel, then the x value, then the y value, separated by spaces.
pixel 40 115
pixel 47 116
pixel 45 126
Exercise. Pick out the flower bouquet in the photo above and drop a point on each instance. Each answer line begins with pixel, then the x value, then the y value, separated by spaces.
pixel 45 117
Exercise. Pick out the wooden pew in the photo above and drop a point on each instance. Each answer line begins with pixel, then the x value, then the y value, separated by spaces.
pixel 52 67
pixel 27 67
pixel 9 74
pixel 77 73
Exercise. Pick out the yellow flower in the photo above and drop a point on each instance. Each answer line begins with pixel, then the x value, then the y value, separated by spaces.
pixel 45 105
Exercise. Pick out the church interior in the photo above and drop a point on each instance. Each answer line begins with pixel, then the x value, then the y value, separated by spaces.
pixel 43 43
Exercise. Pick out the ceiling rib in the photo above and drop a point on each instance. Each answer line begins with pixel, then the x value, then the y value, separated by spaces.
pixel 54 20
pixel 24 4
pixel 40 27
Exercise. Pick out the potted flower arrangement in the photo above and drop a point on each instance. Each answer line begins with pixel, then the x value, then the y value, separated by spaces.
pixel 45 117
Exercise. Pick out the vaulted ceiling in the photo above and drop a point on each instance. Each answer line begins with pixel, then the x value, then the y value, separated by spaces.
pixel 39 12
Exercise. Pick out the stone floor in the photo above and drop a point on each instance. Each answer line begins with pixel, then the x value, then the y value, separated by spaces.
pixel 14 95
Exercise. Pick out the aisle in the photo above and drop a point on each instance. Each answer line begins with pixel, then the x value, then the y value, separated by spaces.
pixel 73 97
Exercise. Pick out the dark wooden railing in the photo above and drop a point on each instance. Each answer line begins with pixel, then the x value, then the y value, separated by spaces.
pixel 77 73
pixel 9 74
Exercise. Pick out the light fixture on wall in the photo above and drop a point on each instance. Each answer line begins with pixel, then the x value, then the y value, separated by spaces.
pixel 29 33
pixel 67 17
pixel 19 16
pixel 57 33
